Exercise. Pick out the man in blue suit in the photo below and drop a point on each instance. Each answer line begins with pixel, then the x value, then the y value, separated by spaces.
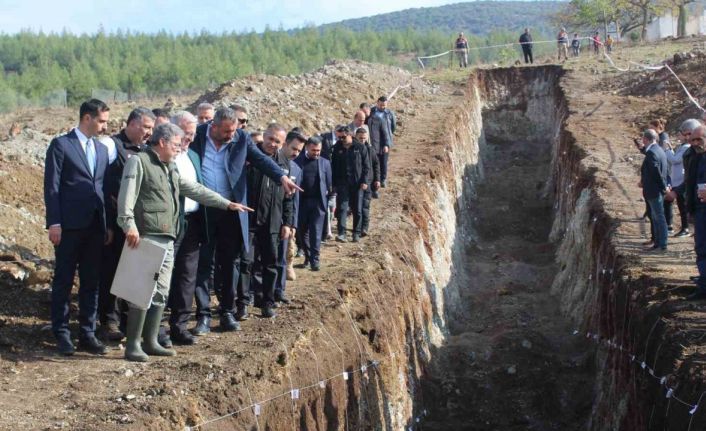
pixel 654 183
pixel 75 166
pixel 317 185
pixel 293 146
pixel 223 150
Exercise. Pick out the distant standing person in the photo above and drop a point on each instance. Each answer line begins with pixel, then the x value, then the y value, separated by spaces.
pixel 596 43
pixel 576 45
pixel 526 43
pixel 609 44
pixel 381 126
pixel 562 41
pixel 462 50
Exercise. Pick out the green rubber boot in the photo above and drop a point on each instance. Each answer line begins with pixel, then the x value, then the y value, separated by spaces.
pixel 151 332
pixel 135 323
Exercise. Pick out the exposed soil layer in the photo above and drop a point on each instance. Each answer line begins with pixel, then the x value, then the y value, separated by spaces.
pixel 511 363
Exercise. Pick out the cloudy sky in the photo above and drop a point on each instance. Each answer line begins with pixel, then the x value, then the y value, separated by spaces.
pixel 179 15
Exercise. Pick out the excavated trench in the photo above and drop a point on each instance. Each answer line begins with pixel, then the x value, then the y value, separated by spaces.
pixel 509 360
pixel 504 251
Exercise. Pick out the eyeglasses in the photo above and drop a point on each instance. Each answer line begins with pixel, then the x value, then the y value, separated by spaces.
pixel 243 120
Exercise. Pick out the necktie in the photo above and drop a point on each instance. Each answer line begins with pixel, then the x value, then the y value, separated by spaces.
pixel 91 156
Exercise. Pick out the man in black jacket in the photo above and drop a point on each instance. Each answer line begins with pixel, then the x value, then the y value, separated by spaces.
pixel 653 180
pixel 691 163
pixel 526 43
pixel 381 126
pixel 698 207
pixel 351 176
pixel 361 135
pixel 271 221
pixel 128 142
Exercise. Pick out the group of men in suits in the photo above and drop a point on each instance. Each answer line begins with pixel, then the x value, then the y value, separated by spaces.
pixel 278 182
pixel 657 173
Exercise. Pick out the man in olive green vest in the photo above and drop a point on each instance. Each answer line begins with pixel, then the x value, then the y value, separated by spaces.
pixel 148 207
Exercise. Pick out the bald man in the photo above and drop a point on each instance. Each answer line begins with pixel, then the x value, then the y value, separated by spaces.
pixel 359 121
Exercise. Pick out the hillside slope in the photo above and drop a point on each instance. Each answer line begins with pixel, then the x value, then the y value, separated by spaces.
pixel 478 18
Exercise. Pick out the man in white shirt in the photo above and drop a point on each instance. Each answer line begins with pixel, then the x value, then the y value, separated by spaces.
pixel 192 234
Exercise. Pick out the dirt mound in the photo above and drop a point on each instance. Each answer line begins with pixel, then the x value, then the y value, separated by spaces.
pixel 670 101
pixel 318 100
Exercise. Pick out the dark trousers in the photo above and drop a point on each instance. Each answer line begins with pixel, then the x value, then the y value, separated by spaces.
pixel 80 248
pixel 527 51
pixel 349 198
pixel 648 214
pixel 281 282
pixel 186 263
pixel 204 279
pixel 365 211
pixel 681 204
pixel 110 308
pixel 700 245
pixel 383 166
pixel 226 242
pixel 267 246
pixel 310 227
pixel 669 213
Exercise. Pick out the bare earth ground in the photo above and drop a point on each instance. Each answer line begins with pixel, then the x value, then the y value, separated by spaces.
pixel 43 391
pixel 39 390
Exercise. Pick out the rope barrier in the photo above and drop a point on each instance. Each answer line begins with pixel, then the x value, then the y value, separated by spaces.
pixel 653 68
pixel 478 48
pixel 669 391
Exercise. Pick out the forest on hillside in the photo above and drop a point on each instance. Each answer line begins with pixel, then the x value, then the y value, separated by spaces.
pixel 37 65
pixel 478 18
